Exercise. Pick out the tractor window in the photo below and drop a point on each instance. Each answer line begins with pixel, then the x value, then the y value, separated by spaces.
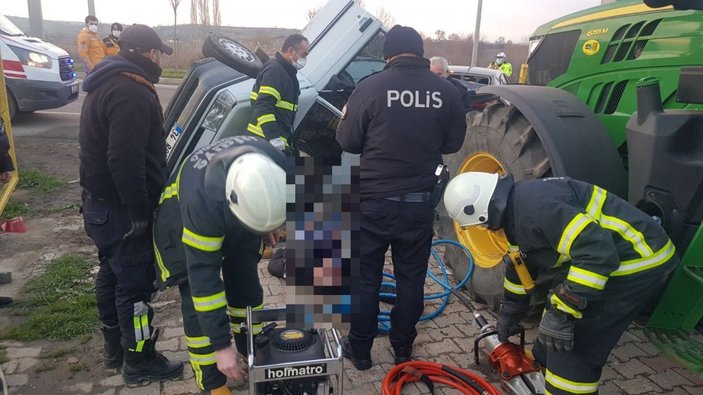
pixel 552 57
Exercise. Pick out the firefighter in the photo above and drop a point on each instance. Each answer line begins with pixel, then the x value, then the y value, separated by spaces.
pixel 91 48
pixel 502 65
pixel 112 46
pixel 401 120
pixel 211 218
pixel 619 261
pixel 274 98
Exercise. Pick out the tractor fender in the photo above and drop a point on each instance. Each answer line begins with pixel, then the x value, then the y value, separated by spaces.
pixel 575 140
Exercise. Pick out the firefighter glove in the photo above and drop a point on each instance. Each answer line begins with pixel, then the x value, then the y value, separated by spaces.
pixel 509 317
pixel 136 229
pixel 279 143
pixel 556 331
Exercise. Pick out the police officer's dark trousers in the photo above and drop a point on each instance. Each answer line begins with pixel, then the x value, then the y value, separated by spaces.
pixel 242 288
pixel 407 228
pixel 599 330
pixel 125 280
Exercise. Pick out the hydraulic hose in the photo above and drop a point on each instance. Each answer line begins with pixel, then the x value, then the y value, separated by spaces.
pixel 384 324
pixel 429 373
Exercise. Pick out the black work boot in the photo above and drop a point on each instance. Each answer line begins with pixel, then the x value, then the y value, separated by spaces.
pixel 5 301
pixel 149 365
pixel 112 348
pixel 402 354
pixel 348 352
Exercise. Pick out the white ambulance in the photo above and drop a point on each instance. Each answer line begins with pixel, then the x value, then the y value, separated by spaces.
pixel 38 75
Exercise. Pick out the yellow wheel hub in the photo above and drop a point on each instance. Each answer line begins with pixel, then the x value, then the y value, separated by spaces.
pixel 486 246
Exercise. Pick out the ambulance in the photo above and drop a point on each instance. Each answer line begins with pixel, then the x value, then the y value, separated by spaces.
pixel 38 75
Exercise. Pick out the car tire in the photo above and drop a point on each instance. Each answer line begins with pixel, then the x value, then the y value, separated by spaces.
pixel 232 54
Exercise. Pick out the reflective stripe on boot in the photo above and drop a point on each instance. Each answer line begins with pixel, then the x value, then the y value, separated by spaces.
pixel 144 367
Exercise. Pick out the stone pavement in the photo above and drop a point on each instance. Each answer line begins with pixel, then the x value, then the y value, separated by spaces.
pixel 634 367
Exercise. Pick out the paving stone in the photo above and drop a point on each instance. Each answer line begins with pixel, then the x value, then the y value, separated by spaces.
pixel 632 368
pixel 10 366
pixel 451 331
pixel 441 347
pixel 649 348
pixel 172 344
pixel 110 391
pixel 680 391
pixel 692 377
pixel 173 331
pixel 112 381
pixel 151 389
pixel 176 355
pixel 181 387
pixel 23 352
pixel 26 363
pixel 158 305
pixel 445 320
pixel 360 377
pixel 188 372
pixel 366 389
pixel 16 380
pixel 638 385
pixel 659 363
pixel 628 351
pixel 610 388
pixel 632 336
pixel 669 379
pixel 381 354
pixel 609 373
pixel 80 388
pixel 11 343
pixel 693 390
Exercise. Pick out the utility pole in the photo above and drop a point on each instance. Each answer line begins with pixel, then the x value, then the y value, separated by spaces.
pixel 35 18
pixel 477 34
pixel 91 8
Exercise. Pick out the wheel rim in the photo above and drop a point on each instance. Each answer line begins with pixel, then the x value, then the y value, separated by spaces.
pixel 486 246
pixel 237 50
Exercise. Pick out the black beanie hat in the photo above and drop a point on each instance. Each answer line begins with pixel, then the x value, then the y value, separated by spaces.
pixel 402 39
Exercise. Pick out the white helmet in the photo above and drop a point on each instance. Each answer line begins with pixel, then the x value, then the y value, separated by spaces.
pixel 501 55
pixel 256 192
pixel 467 196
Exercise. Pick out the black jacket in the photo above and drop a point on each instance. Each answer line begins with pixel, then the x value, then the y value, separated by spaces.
pixel 463 93
pixel 401 120
pixel 5 159
pixel 274 99
pixel 560 220
pixel 196 229
pixel 123 148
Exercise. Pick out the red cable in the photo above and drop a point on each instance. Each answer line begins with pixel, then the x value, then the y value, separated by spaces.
pixel 399 376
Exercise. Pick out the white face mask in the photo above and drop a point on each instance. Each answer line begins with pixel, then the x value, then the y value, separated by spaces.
pixel 300 63
pixel 500 60
pixel 93 28
pixel 116 33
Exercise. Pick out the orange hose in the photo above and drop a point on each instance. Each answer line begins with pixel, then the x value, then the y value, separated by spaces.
pixel 408 372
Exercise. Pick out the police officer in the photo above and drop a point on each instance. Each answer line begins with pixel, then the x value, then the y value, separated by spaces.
pixel 401 120
pixel 619 261
pixel 274 97
pixel 112 46
pixel 122 172
pixel 211 218
pixel 502 65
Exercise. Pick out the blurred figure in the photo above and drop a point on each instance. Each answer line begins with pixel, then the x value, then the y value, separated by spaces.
pixel 502 65
pixel 6 169
pixel 90 47
pixel 440 66
pixel 112 46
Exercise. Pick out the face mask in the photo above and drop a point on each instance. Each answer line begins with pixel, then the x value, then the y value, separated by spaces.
pixel 300 63
pixel 116 33
pixel 93 28
pixel 500 60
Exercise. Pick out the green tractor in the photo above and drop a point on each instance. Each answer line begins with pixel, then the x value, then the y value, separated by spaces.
pixel 614 98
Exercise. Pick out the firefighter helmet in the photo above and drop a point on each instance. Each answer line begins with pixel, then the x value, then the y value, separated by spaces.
pixel 467 196
pixel 256 192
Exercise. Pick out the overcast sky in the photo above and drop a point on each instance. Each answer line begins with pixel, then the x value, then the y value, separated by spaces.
pixel 513 19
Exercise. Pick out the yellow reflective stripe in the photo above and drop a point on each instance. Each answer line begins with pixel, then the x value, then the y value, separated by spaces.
pixel 269 90
pixel 560 261
pixel 209 303
pixel 266 118
pixel 641 264
pixel 198 373
pixel 165 273
pixel 140 346
pixel 198 342
pixel 253 95
pixel 627 232
pixel 240 312
pixel 237 328
pixel 256 130
pixel 587 278
pixel 169 192
pixel 560 305
pixel 286 105
pixel 514 288
pixel 571 232
pixel 178 178
pixel 595 205
pixel 203 243
pixel 202 359
pixel 573 387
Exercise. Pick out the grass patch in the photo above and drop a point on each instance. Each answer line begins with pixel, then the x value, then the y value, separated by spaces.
pixel 40 181
pixel 3 355
pixel 79 367
pixel 44 367
pixel 171 73
pixel 15 209
pixel 59 304
pixel 61 352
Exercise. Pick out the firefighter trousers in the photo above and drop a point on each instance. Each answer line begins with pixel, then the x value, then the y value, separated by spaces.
pixel 242 289
pixel 595 335
pixel 125 281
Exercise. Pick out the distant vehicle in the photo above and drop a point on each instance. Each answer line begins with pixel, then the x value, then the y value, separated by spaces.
pixel 476 77
pixel 38 75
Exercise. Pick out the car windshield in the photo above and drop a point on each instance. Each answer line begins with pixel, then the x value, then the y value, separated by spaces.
pixel 8 28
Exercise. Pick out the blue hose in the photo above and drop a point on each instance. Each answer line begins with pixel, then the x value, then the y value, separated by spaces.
pixel 384 324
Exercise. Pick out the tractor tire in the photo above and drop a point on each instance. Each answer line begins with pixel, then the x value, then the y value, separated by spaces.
pixel 11 104
pixel 507 142
pixel 232 54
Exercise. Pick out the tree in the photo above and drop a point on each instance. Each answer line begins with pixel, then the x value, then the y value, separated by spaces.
pixel 216 14
pixel 454 37
pixel 174 5
pixel 440 35
pixel 312 12
pixel 194 12
pixel 500 41
pixel 385 17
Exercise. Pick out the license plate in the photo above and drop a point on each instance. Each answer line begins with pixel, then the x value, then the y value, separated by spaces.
pixel 74 88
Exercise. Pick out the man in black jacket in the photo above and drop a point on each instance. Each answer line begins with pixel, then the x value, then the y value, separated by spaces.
pixel 6 169
pixel 619 261
pixel 440 66
pixel 401 120
pixel 122 172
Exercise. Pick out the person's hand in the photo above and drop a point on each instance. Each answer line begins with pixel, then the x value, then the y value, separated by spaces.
pixel 228 363
pixel 556 331
pixel 137 229
pixel 279 144
pixel 273 238
pixel 509 317
pixel 5 177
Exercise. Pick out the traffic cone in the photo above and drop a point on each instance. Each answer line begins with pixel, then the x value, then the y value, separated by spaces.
pixel 14 225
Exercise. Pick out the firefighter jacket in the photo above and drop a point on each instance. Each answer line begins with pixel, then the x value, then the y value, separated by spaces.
pixel 111 45
pixel 195 229
pixel 556 221
pixel 90 46
pixel 274 100
pixel 5 158
pixel 401 120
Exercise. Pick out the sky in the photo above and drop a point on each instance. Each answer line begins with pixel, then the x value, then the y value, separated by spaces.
pixel 513 19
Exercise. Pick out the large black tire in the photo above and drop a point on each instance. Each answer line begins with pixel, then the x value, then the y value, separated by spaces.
pixel 11 104
pixel 233 54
